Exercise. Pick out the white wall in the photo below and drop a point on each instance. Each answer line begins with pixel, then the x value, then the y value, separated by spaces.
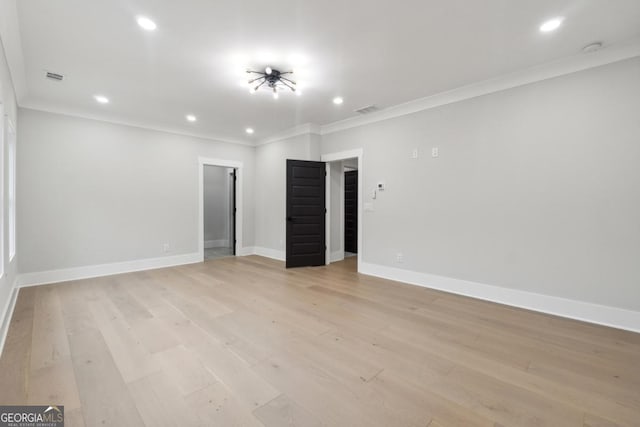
pixel 92 192
pixel 217 195
pixel 536 188
pixel 271 188
pixel 8 100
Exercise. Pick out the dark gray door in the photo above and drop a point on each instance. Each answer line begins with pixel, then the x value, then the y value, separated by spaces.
pixel 305 213
pixel 351 211
pixel 234 210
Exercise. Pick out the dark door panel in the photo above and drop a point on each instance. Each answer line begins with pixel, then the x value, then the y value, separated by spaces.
pixel 305 213
pixel 351 211
pixel 233 212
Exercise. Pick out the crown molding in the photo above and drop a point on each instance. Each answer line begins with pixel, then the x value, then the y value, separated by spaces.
pixel 27 105
pixel 572 64
pixel 305 129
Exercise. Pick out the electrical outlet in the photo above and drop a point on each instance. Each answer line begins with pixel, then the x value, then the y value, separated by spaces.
pixel 166 247
pixel 414 153
pixel 400 257
pixel 435 152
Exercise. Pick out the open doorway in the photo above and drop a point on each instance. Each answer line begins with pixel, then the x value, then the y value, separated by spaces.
pixel 350 217
pixel 344 208
pixel 219 211
pixel 343 211
pixel 234 207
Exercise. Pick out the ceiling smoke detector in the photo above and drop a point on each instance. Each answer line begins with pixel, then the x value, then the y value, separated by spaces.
pixel 54 76
pixel 367 110
pixel 592 47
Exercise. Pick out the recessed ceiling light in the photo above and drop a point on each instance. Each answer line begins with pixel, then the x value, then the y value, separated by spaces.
pixel 191 118
pixel 249 131
pixel 146 23
pixel 551 25
pixel 338 100
pixel 101 99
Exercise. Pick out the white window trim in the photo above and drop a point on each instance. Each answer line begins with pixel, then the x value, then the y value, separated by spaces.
pixel 12 165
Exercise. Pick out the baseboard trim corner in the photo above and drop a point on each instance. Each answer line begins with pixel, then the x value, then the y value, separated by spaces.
pixel 246 251
pixel 336 256
pixel 579 310
pixel 270 253
pixel 90 271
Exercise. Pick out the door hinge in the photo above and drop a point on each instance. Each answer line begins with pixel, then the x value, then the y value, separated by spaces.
pixel 325 211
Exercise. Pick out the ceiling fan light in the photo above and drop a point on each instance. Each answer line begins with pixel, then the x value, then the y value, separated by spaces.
pixel 268 70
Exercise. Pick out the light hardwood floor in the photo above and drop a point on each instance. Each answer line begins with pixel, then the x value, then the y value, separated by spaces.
pixel 244 342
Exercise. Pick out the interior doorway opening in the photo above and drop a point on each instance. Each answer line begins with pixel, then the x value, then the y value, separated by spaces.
pixel 344 208
pixel 238 192
pixel 343 211
pixel 219 211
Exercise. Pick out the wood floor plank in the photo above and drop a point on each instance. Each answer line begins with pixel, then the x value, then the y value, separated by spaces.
pixel 16 355
pixel 215 405
pixel 187 372
pixel 103 394
pixel 133 360
pixel 54 384
pixel 285 412
pixel 73 418
pixel 49 340
pixel 248 387
pixel 160 403
pixel 242 341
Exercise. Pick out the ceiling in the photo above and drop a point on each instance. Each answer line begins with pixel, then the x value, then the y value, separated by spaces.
pixel 380 52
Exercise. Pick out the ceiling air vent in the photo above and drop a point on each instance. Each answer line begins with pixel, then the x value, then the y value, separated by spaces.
pixel 366 110
pixel 54 76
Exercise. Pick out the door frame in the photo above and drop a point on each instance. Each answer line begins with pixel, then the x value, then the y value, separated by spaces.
pixel 332 157
pixel 238 166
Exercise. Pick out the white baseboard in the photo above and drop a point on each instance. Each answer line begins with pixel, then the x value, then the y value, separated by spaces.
pixel 220 243
pixel 269 253
pixel 336 256
pixel 249 250
pixel 579 310
pixel 7 314
pixel 86 272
